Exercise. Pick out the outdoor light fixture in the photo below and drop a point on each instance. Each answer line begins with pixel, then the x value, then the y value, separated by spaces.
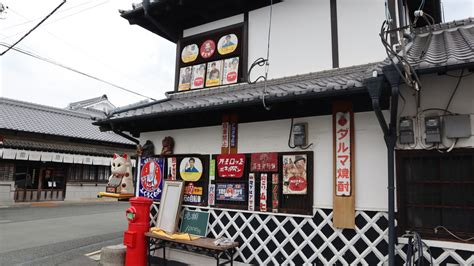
pixel 433 129
pixel 405 128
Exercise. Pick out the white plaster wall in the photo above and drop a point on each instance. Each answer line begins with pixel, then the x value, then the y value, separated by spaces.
pixel 435 93
pixel 371 159
pixel 358 25
pixel 76 192
pixel 213 25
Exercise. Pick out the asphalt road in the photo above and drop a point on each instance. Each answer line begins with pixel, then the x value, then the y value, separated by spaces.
pixel 59 235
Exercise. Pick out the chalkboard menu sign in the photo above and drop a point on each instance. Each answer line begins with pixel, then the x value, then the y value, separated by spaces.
pixel 194 222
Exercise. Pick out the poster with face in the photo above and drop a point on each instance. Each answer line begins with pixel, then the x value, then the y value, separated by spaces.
pixel 151 178
pixel 207 48
pixel 227 44
pixel 199 73
pixel 190 169
pixel 294 174
pixel 185 75
pixel 231 70
pixel 189 53
pixel 214 73
pixel 192 193
pixel 230 192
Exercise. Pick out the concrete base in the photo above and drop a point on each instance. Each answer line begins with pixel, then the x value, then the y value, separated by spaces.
pixel 7 193
pixel 83 191
pixel 113 255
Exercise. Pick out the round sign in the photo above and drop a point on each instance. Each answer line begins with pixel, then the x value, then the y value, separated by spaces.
pixel 208 48
pixel 190 169
pixel 150 176
pixel 227 44
pixel 189 53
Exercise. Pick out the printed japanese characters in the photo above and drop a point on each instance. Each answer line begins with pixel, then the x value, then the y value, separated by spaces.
pixel 192 193
pixel 185 75
pixel 230 192
pixel 231 71
pixel 343 154
pixel 264 162
pixel 230 165
pixel 294 174
pixel 227 44
pixel 214 73
pixel 171 165
pixel 190 169
pixel 251 191
pixel 199 73
pixel 189 53
pixel 263 192
pixel 151 177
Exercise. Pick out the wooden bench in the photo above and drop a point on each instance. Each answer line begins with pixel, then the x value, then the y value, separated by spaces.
pixel 202 245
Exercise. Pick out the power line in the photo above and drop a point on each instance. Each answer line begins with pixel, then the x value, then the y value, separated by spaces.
pixel 32 29
pixel 23 51
pixel 70 15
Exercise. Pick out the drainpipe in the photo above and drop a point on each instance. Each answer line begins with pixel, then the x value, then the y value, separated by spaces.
pixel 146 10
pixel 374 87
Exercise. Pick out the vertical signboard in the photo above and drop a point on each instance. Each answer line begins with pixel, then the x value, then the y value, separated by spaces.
pixel 251 192
pixel 274 192
pixel 263 192
pixel 344 179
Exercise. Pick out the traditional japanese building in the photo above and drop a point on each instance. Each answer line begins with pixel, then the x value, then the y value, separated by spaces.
pixel 320 129
pixel 48 153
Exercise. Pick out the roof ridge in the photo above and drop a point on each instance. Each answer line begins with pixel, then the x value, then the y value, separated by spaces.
pixel 445 25
pixel 89 101
pixel 42 107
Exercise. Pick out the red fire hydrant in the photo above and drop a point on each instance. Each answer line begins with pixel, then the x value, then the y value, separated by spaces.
pixel 138 216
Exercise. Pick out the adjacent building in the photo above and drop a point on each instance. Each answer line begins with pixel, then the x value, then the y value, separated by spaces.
pixel 48 153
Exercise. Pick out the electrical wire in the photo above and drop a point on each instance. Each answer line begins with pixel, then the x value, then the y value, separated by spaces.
pixel 32 29
pixel 74 70
pixel 454 92
pixel 452 234
pixel 416 245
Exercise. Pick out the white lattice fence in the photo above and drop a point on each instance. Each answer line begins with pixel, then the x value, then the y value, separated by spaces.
pixel 295 240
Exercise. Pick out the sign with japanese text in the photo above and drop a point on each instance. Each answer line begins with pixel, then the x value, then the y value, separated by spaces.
pixel 251 192
pixel 194 222
pixel 263 193
pixel 225 135
pixel 343 154
pixel 230 192
pixel 212 169
pixel 171 168
pixel 231 165
pixel 151 178
pixel 192 193
pixel 211 199
pixel 264 162
pixel 233 135
pixel 274 192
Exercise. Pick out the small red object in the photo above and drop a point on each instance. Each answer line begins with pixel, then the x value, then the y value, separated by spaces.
pixel 138 216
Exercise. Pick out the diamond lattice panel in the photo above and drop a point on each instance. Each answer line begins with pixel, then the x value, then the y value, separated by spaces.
pixel 276 239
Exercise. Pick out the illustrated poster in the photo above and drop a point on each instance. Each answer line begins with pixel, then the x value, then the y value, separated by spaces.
pixel 192 193
pixel 207 49
pixel 214 73
pixel 189 53
pixel 231 71
pixel 171 165
pixel 199 73
pixel 227 44
pixel 264 162
pixel 190 169
pixel 151 178
pixel 185 75
pixel 294 174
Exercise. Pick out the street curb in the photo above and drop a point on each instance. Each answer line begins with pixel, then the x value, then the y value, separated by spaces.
pixel 57 203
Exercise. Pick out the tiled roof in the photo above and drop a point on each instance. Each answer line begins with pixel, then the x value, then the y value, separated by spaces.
pixel 330 81
pixel 75 148
pixel 87 102
pixel 451 43
pixel 35 118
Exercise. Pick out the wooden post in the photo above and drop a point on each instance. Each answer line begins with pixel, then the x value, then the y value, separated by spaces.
pixel 344 165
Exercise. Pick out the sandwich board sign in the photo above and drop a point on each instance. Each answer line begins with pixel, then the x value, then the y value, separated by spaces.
pixel 194 222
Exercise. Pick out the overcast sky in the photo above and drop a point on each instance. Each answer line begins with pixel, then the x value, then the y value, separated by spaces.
pixel 90 36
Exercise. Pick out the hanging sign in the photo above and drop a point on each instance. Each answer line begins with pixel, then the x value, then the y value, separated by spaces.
pixel 192 194
pixel 151 185
pixel 225 135
pixel 171 168
pixel 190 169
pixel 233 134
pixel 264 162
pixel 251 191
pixel 230 192
pixel 274 192
pixel 294 174
pixel 230 165
pixel 263 193
pixel 212 170
pixel 343 154
pixel 212 195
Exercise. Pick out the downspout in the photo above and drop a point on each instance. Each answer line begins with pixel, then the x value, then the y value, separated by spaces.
pixel 146 10
pixel 374 87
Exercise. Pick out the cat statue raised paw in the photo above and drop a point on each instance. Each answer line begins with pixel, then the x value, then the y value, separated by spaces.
pixel 121 180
